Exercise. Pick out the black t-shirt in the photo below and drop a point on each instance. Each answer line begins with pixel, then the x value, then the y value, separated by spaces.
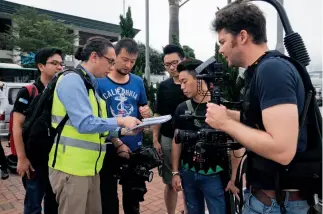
pixel 214 160
pixel 278 82
pixel 23 99
pixel 184 124
pixel 169 96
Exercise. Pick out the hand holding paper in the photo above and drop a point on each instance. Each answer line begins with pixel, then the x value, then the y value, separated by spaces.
pixel 151 121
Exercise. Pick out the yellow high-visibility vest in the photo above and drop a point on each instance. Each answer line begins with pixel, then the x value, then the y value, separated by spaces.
pixel 78 154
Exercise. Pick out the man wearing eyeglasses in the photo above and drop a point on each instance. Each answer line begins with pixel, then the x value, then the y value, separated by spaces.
pixel 169 96
pixel 49 61
pixel 125 95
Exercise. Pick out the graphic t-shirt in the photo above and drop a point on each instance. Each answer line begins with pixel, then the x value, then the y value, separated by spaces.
pixel 124 100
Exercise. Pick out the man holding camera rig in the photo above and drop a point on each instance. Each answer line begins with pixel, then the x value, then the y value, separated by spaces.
pixel 273 101
pixel 201 175
pixel 125 95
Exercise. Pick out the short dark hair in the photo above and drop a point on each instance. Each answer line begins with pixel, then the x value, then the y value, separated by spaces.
pixel 96 44
pixel 189 65
pixel 239 16
pixel 129 44
pixel 43 54
pixel 169 49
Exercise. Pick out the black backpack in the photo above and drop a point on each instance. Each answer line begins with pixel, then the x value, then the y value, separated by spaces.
pixel 38 133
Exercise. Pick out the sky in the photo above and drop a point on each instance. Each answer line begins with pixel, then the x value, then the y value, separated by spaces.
pixel 195 21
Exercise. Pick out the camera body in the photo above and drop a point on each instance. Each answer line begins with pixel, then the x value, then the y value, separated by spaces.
pixel 139 165
pixel 212 73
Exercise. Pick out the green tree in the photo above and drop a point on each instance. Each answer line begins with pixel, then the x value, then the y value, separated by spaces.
pixel 126 25
pixel 188 51
pixel 33 31
pixel 155 59
pixel 231 89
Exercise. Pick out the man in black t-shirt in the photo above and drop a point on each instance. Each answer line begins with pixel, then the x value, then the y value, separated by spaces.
pixel 49 61
pixel 169 95
pixel 273 101
pixel 200 177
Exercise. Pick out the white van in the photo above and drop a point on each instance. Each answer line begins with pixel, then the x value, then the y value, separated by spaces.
pixel 8 94
pixel 12 78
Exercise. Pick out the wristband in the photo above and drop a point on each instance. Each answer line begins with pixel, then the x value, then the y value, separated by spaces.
pixel 175 173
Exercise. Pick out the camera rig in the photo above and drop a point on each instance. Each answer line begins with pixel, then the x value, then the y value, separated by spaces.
pixel 139 165
pixel 213 75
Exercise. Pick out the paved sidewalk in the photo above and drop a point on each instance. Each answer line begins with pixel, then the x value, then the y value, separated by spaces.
pixel 12 195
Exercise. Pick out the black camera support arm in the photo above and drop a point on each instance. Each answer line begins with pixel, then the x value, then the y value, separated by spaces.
pixel 293 41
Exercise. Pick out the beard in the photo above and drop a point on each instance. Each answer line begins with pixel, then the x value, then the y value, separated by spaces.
pixel 123 72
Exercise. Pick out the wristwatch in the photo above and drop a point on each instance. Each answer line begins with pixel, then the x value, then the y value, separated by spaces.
pixel 175 173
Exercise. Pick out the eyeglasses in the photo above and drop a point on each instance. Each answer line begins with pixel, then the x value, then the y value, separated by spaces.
pixel 110 61
pixel 172 63
pixel 56 63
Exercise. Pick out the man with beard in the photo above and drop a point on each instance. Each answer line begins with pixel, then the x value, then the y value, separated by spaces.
pixel 125 95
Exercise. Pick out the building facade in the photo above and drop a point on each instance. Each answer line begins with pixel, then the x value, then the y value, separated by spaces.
pixel 84 28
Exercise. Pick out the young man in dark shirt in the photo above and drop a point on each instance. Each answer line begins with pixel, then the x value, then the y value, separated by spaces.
pixel 49 61
pixel 277 93
pixel 198 177
pixel 169 96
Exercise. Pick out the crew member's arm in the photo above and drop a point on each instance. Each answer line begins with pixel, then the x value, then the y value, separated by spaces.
pixel 235 115
pixel 19 108
pixel 276 90
pixel 236 157
pixel 176 154
pixel 73 94
pixel 144 108
pixel 158 112
pixel 18 121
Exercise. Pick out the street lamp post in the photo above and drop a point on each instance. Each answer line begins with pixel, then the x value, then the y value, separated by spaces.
pixel 280 33
pixel 147 67
pixel 124 8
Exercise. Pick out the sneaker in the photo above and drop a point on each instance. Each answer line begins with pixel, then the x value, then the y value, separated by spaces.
pixel 4 174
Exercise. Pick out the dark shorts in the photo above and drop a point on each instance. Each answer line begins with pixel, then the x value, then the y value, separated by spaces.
pixel 165 171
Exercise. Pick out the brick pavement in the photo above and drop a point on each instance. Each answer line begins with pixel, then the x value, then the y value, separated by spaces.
pixel 12 195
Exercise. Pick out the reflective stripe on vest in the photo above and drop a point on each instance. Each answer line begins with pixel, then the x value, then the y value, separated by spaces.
pixel 77 153
pixel 66 141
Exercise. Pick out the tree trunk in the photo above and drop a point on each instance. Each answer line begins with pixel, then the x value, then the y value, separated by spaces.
pixel 173 19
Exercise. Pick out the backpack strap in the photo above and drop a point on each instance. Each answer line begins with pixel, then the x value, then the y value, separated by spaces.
pixel 59 130
pixel 189 105
pixel 32 90
pixel 192 110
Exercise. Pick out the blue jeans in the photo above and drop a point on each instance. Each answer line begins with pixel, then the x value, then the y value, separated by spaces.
pixel 198 188
pixel 254 206
pixel 37 188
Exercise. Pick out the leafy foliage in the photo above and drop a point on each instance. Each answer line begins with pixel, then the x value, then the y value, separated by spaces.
pixel 189 52
pixel 232 89
pixel 126 25
pixel 155 59
pixel 32 31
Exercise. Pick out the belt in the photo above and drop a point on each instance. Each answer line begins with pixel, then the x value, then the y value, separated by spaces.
pixel 265 196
